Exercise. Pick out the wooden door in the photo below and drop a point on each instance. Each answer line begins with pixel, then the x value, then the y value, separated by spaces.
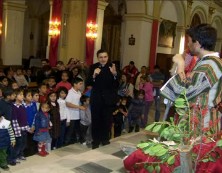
pixel 164 61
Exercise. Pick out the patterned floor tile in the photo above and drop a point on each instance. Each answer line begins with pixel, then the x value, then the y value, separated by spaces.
pixel 120 154
pixel 91 168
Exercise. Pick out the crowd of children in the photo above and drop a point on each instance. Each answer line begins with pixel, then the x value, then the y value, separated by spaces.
pixel 42 119
pixel 57 112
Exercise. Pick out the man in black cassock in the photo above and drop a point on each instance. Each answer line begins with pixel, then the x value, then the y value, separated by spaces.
pixel 104 82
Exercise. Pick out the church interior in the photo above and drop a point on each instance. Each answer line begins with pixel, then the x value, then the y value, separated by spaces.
pixel 147 32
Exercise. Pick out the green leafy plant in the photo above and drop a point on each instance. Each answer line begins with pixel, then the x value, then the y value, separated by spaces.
pixel 184 130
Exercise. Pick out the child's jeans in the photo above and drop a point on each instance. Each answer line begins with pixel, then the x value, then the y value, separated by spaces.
pixel 3 157
pixel 20 145
pixel 84 130
pixel 144 121
pixel 62 134
pixel 134 123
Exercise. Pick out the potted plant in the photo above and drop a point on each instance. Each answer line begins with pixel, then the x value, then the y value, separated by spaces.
pixel 182 134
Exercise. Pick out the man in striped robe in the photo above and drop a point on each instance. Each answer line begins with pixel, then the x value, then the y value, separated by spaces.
pixel 203 84
pixel 203 87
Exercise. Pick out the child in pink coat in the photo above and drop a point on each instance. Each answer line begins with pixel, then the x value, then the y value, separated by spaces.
pixel 147 86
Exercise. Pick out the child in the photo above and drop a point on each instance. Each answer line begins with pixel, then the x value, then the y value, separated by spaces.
pixel 118 117
pixel 31 110
pixel 136 111
pixel 64 82
pixel 72 102
pixel 42 121
pixel 20 125
pixel 35 98
pixel 3 81
pixel 20 78
pixel 64 114
pixel 6 103
pixel 7 138
pixel 14 85
pixel 147 86
pixel 9 73
pixel 54 118
pixel 51 84
pixel 85 120
pixel 42 93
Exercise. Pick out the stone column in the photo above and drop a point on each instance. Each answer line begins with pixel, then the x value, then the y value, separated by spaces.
pixel 188 18
pixel 12 36
pixel 140 26
pixel 153 44
pixel 211 11
pixel 188 12
pixel 50 17
pixel 100 17
pixel 154 35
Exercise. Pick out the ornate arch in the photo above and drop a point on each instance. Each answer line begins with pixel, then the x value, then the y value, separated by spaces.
pixel 217 20
pixel 195 20
pixel 180 9
pixel 201 13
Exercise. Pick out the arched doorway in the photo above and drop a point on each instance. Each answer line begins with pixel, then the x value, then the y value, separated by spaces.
pixel 195 20
pixel 112 29
pixel 36 25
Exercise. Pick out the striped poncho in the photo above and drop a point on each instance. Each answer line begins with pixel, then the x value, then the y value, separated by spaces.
pixel 203 87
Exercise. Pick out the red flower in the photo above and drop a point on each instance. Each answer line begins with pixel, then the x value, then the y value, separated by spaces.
pixel 210 123
pixel 204 139
pixel 204 111
pixel 195 120
pixel 205 129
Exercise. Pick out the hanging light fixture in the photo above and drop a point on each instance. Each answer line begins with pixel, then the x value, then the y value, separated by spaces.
pixel 91 29
pixel 54 28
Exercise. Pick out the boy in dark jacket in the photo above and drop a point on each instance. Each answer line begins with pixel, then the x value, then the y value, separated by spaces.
pixel 136 111
pixel 119 115
pixel 6 103
pixel 6 138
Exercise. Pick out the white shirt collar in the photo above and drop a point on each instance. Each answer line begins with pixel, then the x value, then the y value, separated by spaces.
pixel 17 105
pixel 212 54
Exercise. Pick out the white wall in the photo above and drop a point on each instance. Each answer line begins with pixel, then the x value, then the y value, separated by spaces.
pixel 135 6
pixel 139 53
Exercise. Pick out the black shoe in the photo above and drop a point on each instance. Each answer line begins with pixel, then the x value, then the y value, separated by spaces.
pixel 130 129
pixel 105 143
pixel 12 163
pixel 6 168
pixel 95 146
pixel 137 129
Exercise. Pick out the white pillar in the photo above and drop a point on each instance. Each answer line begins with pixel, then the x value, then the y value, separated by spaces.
pixel 100 17
pixel 140 26
pixel 50 17
pixel 13 28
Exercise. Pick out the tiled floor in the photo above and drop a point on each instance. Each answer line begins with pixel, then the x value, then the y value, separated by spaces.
pixel 77 158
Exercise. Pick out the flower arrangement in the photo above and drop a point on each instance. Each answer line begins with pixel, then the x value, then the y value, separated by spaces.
pixel 181 135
